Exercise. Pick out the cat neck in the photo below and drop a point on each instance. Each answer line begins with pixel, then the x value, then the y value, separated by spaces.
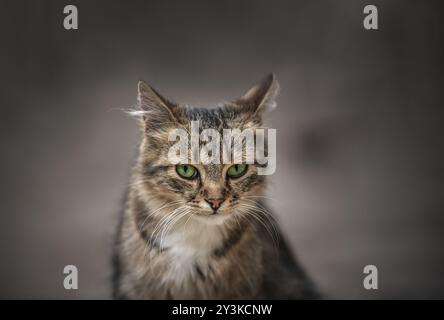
pixel 194 237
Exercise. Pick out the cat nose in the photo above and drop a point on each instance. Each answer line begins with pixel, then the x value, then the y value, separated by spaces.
pixel 215 203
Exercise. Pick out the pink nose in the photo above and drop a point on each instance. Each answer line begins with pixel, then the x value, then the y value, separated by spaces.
pixel 215 203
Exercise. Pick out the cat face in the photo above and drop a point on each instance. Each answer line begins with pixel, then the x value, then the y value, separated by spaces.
pixel 209 191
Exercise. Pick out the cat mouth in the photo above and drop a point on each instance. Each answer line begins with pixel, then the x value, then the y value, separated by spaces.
pixel 212 213
pixel 211 218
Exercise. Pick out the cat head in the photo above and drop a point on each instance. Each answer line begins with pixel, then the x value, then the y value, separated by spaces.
pixel 209 191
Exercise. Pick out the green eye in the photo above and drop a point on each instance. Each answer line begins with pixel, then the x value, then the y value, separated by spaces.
pixel 237 170
pixel 186 171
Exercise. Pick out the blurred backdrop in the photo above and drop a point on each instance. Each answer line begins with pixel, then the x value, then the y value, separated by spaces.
pixel 360 124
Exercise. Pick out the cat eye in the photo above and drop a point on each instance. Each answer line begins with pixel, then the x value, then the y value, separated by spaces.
pixel 237 170
pixel 186 171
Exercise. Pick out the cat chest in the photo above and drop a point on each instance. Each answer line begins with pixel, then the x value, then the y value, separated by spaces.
pixel 190 257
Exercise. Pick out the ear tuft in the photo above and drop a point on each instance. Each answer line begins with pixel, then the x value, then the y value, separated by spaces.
pixel 148 97
pixel 261 97
pixel 154 107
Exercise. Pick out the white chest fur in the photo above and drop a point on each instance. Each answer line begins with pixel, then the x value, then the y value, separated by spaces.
pixel 191 243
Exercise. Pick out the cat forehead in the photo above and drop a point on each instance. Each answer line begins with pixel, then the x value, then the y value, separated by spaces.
pixel 218 117
pixel 213 171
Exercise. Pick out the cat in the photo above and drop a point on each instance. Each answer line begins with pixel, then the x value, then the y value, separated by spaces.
pixel 201 231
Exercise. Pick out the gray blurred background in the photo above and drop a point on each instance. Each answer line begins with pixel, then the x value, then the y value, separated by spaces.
pixel 360 124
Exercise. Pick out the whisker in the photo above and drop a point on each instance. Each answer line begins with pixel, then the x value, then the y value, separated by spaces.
pixel 174 219
pixel 168 204
pixel 163 220
pixel 185 225
pixel 271 221
pixel 260 215
pixel 171 225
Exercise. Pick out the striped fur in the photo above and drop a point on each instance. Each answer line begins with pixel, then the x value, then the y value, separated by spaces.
pixel 171 245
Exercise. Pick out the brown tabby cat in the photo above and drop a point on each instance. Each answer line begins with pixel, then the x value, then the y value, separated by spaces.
pixel 201 231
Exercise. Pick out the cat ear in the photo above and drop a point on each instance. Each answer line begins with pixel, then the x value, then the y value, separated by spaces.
pixel 261 97
pixel 156 110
